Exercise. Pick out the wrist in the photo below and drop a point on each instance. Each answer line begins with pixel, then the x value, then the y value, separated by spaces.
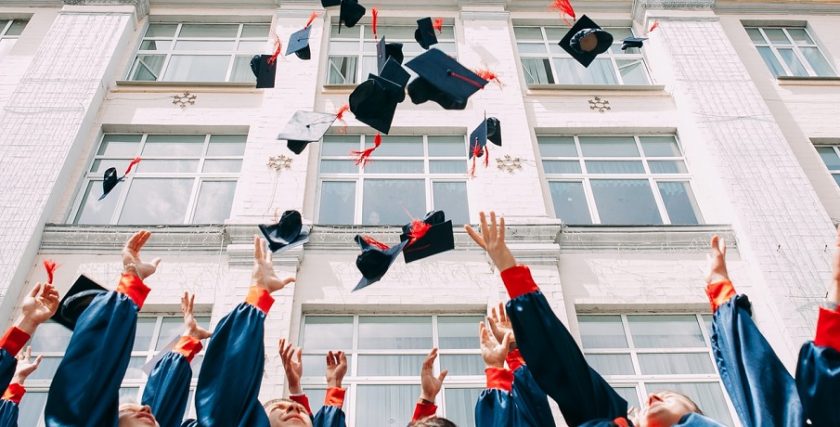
pixel 494 365
pixel 295 389
pixel 27 325
pixel 427 399
pixel 334 383
pixel 18 380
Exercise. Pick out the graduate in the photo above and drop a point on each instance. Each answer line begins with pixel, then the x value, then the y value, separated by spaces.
pixel 425 410
pixel 10 402
pixel 558 365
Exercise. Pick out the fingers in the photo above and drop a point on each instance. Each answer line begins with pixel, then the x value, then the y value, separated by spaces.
pixel 184 306
pixel 265 252
pixel 282 350
pixel 493 326
pixel 299 354
pixel 35 290
pixel 476 238
pixel 485 230
pixel 483 335
pixel 502 313
pixel 331 360
pixel 132 243
pixel 258 255
pixel 287 280
pixel 442 375
pixel 430 359
pixel 144 237
pixel 506 341
pixel 156 262
pixel 501 236
pixel 722 247
pixel 714 244
pixel 38 361
pixel 493 226
pixel 192 302
pixel 28 352
pixel 342 358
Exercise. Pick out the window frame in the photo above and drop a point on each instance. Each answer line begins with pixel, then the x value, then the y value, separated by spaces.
pixel 833 173
pixel 4 30
pixel 793 45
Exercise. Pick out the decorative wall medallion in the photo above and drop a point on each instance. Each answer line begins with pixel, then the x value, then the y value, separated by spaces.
pixel 509 164
pixel 600 104
pixel 280 162
pixel 184 99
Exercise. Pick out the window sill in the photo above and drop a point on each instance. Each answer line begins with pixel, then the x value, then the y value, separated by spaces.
pixel 168 86
pixel 544 89
pixel 345 88
pixel 808 81
pixel 577 238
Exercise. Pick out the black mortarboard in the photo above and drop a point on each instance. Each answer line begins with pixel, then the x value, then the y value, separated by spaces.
pixel 490 129
pixel 287 233
pixel 586 40
pixel 374 102
pixel 631 41
pixel 425 33
pixel 388 50
pixel 109 181
pixel 299 43
pixel 329 3
pixel 374 261
pixel 305 127
pixel 263 71
pixel 76 300
pixel 351 13
pixel 443 80
pixel 395 73
pixel 439 238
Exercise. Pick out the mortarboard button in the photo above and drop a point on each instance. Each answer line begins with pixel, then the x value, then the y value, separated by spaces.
pixel 586 40
pixel 287 233
pixel 425 33
pixel 436 239
pixel 450 84
pixel 375 260
pixel 388 50
pixel 299 43
pixel 305 127
pixel 351 13
pixel 632 42
pixel 263 71
pixel 76 300
pixel 330 3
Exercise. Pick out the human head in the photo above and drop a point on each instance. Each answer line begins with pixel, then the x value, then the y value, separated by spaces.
pixel 287 413
pixel 432 421
pixel 135 415
pixel 665 409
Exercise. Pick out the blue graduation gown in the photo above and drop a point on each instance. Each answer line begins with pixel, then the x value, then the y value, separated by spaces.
pixel 495 406
pixel 818 382
pixel 168 388
pixel 10 344
pixel 8 413
pixel 530 401
pixel 330 414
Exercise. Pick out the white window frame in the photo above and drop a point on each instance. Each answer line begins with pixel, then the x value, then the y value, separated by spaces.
pixel 585 178
pixel 4 30
pixel 835 173
pixel 774 48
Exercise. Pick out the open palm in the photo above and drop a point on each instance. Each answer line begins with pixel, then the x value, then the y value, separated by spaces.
pixel 131 255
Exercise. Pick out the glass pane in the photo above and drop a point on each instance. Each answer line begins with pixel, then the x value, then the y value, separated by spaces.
pixel 46 370
pixel 128 394
pixel 633 72
pixel 161 30
pixel 316 398
pixel 147 67
pixel 679 202
pixel 156 45
pixel 625 202
pixel 339 166
pixel 197 68
pixel 665 331
pixel 342 70
pixel 458 332
pixel 205 45
pixel 462 364
pixel 50 337
pixel 608 146
pixel 398 146
pixel 135 368
pixel 776 36
pixel 174 146
pixel 447 146
pixel 708 396
pixel 31 407
pixel 447 166
pixel 222 166
pixel 667 166
pixel 794 65
pixel 253 47
pixel 394 166
pixel 315 365
pixel 337 202
pixel 611 364
pixel 771 61
pixel 570 202
pixel 95 211
pixel 755 35
pixel 531 49
pixel 392 201
pixel 209 30
pixel 460 405
pixel 328 333
pixel 557 146
pixel 255 30
pixel 143 333
pixel 215 199
pixel 392 32
pixel 119 145
pixel 676 364
pixel 829 157
pixel 614 166
pixel 602 332
pixel 155 166
pixel 451 197
pixel 528 33
pixel 17 27
pixel 170 328
pixel 147 204
pixel 817 61
pixel 102 165
pixel 226 145
pixel 339 145
pixel 799 36
pixel 403 365
pixel 660 146
pixel 385 405
pixel 561 166
pixel 343 32
pixel 537 71
pixel 242 70
pixel 629 394
pixel 393 332
pixel 600 71
pixel 836 179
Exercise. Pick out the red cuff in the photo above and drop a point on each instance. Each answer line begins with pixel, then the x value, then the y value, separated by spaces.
pixel 423 410
pixel 719 293
pixel 828 329
pixel 14 393
pixel 518 281
pixel 499 378
pixel 514 359
pixel 188 347
pixel 303 400
pixel 13 340
pixel 335 397
pixel 132 286
pixel 260 298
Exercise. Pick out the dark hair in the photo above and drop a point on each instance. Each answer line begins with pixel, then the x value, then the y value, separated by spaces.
pixel 432 421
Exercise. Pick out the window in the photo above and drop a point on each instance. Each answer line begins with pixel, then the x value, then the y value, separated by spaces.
pixel 545 62
pixel 183 179
pixel 642 354
pixel 153 334
pixel 626 180
pixel 406 177
pixel 10 30
pixel 354 46
pixel 831 157
pixel 199 52
pixel 790 52
pixel 384 354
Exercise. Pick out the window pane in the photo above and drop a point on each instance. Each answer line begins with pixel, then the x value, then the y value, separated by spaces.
pixel 614 166
pixel 174 145
pixel 315 365
pixel 226 145
pixel 557 146
pixel 50 337
pixel 119 145
pixel 458 332
pixel 147 204
pixel 392 201
pixel 629 394
pixel 376 365
pixel 398 146
pixel 209 30
pixel 135 368
pixel 339 145
pixel 147 67
pixel 817 61
pixel 170 328
pixel 197 68
pixel 205 45
pixel 676 364
pixel 451 197
pixel 161 30
pixel 608 146
pixel 339 166
pixel 665 331
pixel 462 364
pixel 771 61
pixel 829 157
pixel 222 166
pixel 836 179
pixel 799 36
pixel 570 202
pixel 600 71
pixel 708 396
pixel 394 166
pixel 143 333
pixel 611 364
pixel 679 202
pixel 242 70
pixel 460 405
pixel 537 71
pixel 342 70
pixel 17 27
pixel 660 146
pixel 755 35
pixel 46 370
pixel 385 405
pixel 328 333
pixel 561 166
pixel 173 166
pixel 215 199
pixel 625 202
pixel 392 332
pixel 776 36
pixel 343 32
pixel 633 72
pixel 31 407
pixel 667 166
pixel 337 202
pixel 102 165
pixel 447 146
pixel 792 62
pixel 128 394
pixel 531 49
pixel 447 166
pixel 602 332
pixel 528 33
pixel 95 211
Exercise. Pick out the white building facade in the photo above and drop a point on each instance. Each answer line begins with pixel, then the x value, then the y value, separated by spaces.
pixel 611 178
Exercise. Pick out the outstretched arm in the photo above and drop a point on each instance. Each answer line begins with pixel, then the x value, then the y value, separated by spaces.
pixel 495 406
pixel 14 393
pixel 430 386
pixel 331 414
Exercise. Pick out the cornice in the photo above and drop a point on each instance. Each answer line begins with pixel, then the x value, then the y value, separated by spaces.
pixel 694 238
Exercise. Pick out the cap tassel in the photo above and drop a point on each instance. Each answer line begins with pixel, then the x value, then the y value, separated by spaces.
pixel 278 46
pixel 374 20
pixel 311 19
pixel 50 266
pixel 489 76
pixel 373 242
pixel 653 26
pixel 475 154
pixel 465 78
pixel 565 8
pixel 438 25
pixel 419 229
pixel 363 156
pixel 487 155
pixel 131 165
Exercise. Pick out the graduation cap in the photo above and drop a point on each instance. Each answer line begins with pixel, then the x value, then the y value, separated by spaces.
pixel 329 3
pixel 428 237
pixel 264 70
pixel 375 260
pixel 374 102
pixel 388 50
pixel 287 233
pixel 586 40
pixel 490 129
pixel 442 80
pixel 76 300
pixel 351 13
pixel 305 127
pixel 425 33
pixel 299 43
pixel 632 42
pixel 110 179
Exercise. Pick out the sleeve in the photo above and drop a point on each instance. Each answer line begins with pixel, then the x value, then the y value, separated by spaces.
pixel 231 374
pixel 10 344
pixel 168 388
pixel 495 404
pixel 818 372
pixel 85 388
pixel 303 400
pixel 9 405
pixel 423 410
pixel 553 356
pixel 530 402
pixel 331 414
pixel 761 389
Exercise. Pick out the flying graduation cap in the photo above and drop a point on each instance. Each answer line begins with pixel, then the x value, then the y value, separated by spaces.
pixel 632 42
pixel 264 69
pixel 299 41
pixel 374 102
pixel 388 50
pixel 425 33
pixel 490 129
pixel 305 127
pixel 375 260
pixel 287 233
pixel 428 237
pixel 586 40
pixel 350 14
pixel 110 179
pixel 329 3
pixel 76 300
pixel 442 80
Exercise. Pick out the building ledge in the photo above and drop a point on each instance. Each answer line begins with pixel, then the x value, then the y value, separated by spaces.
pixel 129 86
pixel 808 81
pixel 550 89
pixel 345 88
pixel 686 238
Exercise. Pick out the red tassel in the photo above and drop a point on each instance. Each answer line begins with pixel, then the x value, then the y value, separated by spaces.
pixel 373 242
pixel 375 13
pixel 340 114
pixel 438 25
pixel 418 230
pixel 312 17
pixel 489 76
pixel 475 154
pixel 654 26
pixel 278 46
pixel 363 156
pixel 50 266
pixel 487 155
pixel 131 165
pixel 565 8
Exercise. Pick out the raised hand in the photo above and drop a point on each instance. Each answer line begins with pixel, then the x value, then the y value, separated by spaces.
pixel 493 351
pixel 430 384
pixel 500 325
pixel 25 367
pixel 264 275
pixel 292 358
pixel 492 240
pixel 336 368
pixel 131 256
pixel 717 261
pixel 191 325
pixel 38 306
pixel 834 293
